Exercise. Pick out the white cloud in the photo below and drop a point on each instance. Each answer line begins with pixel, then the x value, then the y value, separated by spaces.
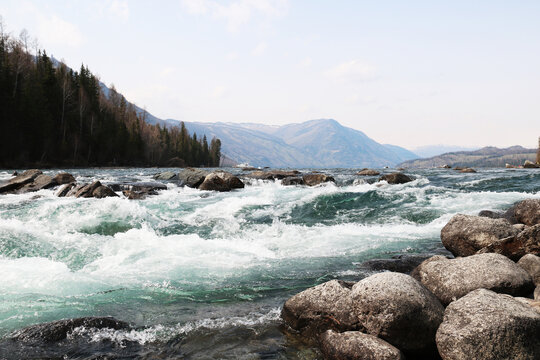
pixel 119 9
pixel 352 71
pixel 231 56
pixel 259 49
pixel 236 12
pixel 306 62
pixel 54 30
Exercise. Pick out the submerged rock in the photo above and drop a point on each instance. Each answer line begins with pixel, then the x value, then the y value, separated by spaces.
pixel 354 345
pixel 317 309
pixel 464 235
pixel 515 247
pixel 396 178
pixel 484 325
pixel 467 170
pixel 398 309
pixel 58 330
pixel 19 181
pixel 368 172
pixel 192 177
pixel 316 179
pixel 450 279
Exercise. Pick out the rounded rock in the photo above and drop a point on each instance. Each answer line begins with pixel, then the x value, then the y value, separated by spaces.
pixel 354 345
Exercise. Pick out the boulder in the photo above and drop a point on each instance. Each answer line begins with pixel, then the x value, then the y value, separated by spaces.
pixel 515 247
pixel 535 304
pixel 58 330
pixel 368 172
pixel 450 279
pixel 167 175
pixel 396 178
pixel 403 263
pixel 221 181
pixel 317 309
pixel 484 325
pixel 316 179
pixel 445 166
pixel 192 177
pixel 64 190
pixel 75 189
pixel 134 195
pixel 531 264
pixel 273 174
pixel 537 293
pixel 530 165
pixel 86 191
pixel 467 170
pixel 525 212
pixel 102 192
pixel 292 181
pixel 397 308
pixel 464 235
pixel 490 214
pixel 64 178
pixel 42 181
pixel 354 345
pixel 19 181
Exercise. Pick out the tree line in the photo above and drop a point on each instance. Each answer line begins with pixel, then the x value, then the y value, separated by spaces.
pixel 51 115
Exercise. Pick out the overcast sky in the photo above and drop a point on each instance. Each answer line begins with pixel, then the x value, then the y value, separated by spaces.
pixel 408 73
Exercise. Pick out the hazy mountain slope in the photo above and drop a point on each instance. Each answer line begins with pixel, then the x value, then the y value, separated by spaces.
pixel 402 153
pixel 485 157
pixel 434 150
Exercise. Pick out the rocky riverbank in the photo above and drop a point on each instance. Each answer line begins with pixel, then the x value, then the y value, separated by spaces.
pixel 479 305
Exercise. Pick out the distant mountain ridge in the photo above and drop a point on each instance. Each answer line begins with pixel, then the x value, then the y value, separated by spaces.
pixel 428 151
pixel 314 143
pixel 486 157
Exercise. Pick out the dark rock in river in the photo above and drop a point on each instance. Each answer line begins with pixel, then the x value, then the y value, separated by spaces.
pixel 221 181
pixel 450 279
pixel 403 263
pixel 396 178
pixel 368 172
pixel 316 179
pixel 467 170
pixel 134 195
pixel 273 174
pixel 397 308
pixel 64 190
pixel 64 178
pixel 484 325
pixel 354 345
pixel 58 330
pixel 514 247
pixel 490 214
pixel 530 165
pixel 20 180
pixel 40 182
pixel 87 191
pixel 192 177
pixel 167 175
pixel 102 192
pixel 531 264
pixel 317 309
pixel 292 181
pixel 464 235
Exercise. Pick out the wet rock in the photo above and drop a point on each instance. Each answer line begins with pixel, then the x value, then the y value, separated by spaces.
pixel 530 165
pixel 64 178
pixel 490 214
pixel 40 182
pixel 445 166
pixel 58 330
pixel 467 170
pixel 134 195
pixel 484 325
pixel 192 177
pixel 292 181
pixel 525 212
pixel 368 172
pixel 19 181
pixel 221 181
pixel 514 247
pixel 464 235
pixel 273 175
pixel 397 308
pixel 64 190
pixel 531 264
pixel 450 279
pixel 316 179
pixel 167 175
pixel 249 168
pixel 317 309
pixel 102 192
pixel 396 178
pixel 354 345
pixel 403 263
pixel 86 191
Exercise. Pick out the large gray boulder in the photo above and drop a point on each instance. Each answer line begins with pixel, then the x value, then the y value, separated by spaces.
pixel 58 330
pixel 42 181
pixel 397 308
pixel 484 325
pixel 102 192
pixel 273 174
pixel 354 345
pixel 325 306
pixel 64 178
pixel 396 178
pixel 515 247
pixel 464 235
pixel 525 212
pixel 450 279
pixel 192 177
pixel 316 179
pixel 166 175
pixel 531 264
pixel 221 181
pixel 368 172
pixel 19 181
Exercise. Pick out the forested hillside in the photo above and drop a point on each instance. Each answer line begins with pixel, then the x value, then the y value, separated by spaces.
pixel 51 115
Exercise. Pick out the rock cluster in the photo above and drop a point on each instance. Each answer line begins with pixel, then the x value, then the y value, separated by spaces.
pixel 492 306
pixel 202 179
pixel 34 180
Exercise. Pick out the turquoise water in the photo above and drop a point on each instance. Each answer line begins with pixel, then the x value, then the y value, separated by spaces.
pixel 204 274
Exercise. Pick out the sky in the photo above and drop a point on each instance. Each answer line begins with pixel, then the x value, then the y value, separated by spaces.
pixel 408 73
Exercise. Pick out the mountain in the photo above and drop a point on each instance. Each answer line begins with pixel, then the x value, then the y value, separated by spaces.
pixel 486 157
pixel 434 150
pixel 315 143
